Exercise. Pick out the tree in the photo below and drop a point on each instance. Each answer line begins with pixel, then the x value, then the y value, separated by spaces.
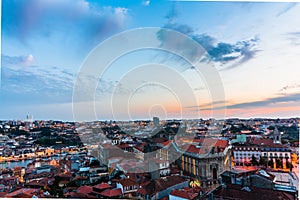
pixel 262 161
pixel 279 163
pixel 254 161
pixel 289 165
pixel 271 163
pixel 72 184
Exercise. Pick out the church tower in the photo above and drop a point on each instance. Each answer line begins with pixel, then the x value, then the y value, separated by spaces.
pixel 276 136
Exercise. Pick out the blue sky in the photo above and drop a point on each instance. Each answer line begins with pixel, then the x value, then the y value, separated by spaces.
pixel 254 47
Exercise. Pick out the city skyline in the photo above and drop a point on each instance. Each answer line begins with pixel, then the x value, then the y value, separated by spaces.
pixel 253 46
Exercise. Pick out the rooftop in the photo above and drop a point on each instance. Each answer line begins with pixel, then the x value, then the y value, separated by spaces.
pixel 250 193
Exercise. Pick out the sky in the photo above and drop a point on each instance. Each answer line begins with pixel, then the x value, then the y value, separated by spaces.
pixel 252 50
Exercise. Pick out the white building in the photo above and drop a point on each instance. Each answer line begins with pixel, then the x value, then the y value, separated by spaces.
pixel 243 154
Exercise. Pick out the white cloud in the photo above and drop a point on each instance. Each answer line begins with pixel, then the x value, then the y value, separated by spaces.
pixel 146 3
pixel 17 62
pixel 29 59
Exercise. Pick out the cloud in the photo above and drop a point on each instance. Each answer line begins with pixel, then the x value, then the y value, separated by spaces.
pixel 24 19
pixel 229 54
pixel 40 84
pixel 289 87
pixel 17 61
pixel 289 98
pixel 146 3
pixel 286 9
pixel 293 37
pixel 47 84
pixel 204 106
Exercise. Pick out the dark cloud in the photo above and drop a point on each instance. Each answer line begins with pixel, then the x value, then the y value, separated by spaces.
pixel 266 102
pixel 219 51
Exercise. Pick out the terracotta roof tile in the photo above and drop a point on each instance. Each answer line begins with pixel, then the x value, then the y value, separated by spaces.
pixel 102 186
pixel 85 189
pixel 236 192
pixel 127 182
pixel 112 192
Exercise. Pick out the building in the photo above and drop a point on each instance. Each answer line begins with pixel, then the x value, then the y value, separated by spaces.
pixel 243 154
pixel 249 193
pixel 160 188
pixel 254 184
pixel 206 161
pixel 156 121
pixel 275 154
pixel 276 136
pixel 186 194
pixel 128 186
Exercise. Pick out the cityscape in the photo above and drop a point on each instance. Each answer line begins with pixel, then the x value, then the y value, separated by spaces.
pixel 225 159
pixel 149 99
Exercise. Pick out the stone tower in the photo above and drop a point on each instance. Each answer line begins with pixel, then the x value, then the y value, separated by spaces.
pixel 276 136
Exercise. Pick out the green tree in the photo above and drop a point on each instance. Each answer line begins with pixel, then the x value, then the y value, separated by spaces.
pixel 279 163
pixel 262 161
pixel 288 165
pixel 254 161
pixel 271 163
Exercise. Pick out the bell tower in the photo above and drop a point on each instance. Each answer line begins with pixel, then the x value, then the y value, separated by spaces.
pixel 276 136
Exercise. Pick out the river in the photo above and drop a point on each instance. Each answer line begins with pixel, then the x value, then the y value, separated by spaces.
pixel 21 163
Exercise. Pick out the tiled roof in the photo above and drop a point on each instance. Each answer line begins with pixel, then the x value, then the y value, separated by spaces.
pixel 41 182
pixel 222 144
pixel 112 192
pixel 236 192
pixel 166 143
pixel 17 168
pixel 79 195
pixel 127 182
pixel 186 193
pixel 142 191
pixel 102 186
pixel 2 194
pixel 123 145
pixel 159 140
pixel 24 192
pixel 205 145
pixel 85 189
pixel 80 178
pixel 260 141
pixel 158 185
